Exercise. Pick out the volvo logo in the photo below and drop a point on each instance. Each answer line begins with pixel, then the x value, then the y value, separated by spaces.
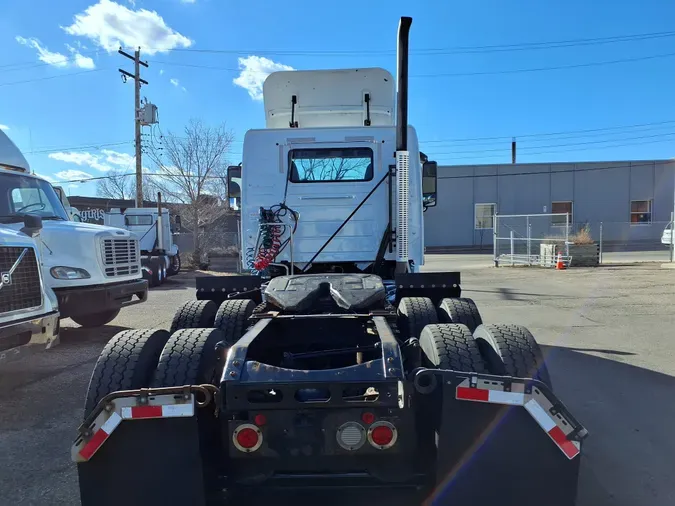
pixel 6 277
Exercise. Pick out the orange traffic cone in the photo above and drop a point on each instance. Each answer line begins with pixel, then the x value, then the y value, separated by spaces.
pixel 560 265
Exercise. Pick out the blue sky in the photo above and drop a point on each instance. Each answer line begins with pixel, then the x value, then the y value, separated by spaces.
pixel 63 102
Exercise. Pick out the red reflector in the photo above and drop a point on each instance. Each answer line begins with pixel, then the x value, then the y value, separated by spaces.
pixel 260 420
pixel 382 435
pixel 473 394
pixel 247 438
pixel 368 418
pixel 146 412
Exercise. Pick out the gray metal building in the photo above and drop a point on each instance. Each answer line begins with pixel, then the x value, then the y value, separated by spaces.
pixel 632 200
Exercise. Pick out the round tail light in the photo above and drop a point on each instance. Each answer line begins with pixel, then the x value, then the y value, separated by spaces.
pixel 382 435
pixel 247 438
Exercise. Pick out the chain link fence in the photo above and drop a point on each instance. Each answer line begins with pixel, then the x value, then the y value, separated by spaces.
pixel 537 239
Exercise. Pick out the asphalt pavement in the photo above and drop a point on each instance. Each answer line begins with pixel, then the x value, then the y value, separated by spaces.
pixel 607 334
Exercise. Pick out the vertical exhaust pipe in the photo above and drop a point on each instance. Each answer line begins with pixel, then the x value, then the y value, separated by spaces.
pixel 402 84
pixel 402 154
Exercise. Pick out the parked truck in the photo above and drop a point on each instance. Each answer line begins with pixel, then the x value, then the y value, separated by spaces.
pixel 29 314
pixel 155 230
pixel 337 364
pixel 94 270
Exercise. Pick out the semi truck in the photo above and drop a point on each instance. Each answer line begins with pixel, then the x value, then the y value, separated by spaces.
pixel 337 364
pixel 155 229
pixel 94 270
pixel 29 316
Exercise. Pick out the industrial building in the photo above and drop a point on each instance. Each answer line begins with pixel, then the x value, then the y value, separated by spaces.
pixel 633 201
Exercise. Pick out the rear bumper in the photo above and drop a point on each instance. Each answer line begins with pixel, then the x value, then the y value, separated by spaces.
pixel 96 299
pixel 18 337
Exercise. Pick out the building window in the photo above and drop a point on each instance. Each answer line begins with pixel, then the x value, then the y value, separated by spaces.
pixel 560 208
pixel 640 212
pixel 484 216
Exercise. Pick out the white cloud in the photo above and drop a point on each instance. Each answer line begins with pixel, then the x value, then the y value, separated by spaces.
pixel 67 175
pixel 111 25
pixel 254 70
pixel 4 127
pixel 174 81
pixel 161 72
pixel 44 55
pixel 117 158
pixel 188 1
pixel 84 62
pixel 81 158
pixel 57 59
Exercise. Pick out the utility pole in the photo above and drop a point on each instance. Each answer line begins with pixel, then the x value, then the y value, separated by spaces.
pixel 136 76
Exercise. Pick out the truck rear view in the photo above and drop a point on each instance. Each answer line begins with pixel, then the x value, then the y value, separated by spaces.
pixel 337 364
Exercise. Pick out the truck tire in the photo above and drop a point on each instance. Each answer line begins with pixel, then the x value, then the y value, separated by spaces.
pixel 156 276
pixel 460 310
pixel 232 318
pixel 127 362
pixel 94 320
pixel 174 265
pixel 188 358
pixel 511 350
pixel 195 314
pixel 415 313
pixel 451 346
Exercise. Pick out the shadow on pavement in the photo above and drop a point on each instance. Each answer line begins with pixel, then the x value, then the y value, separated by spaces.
pixel 629 413
pixel 77 335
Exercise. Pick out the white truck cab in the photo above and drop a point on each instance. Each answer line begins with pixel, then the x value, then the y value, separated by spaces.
pixel 28 308
pixel 94 270
pixel 328 160
pixel 154 229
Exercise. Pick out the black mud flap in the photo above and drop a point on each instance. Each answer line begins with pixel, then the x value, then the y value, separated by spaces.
pixel 434 285
pixel 498 454
pixel 146 463
pixel 220 288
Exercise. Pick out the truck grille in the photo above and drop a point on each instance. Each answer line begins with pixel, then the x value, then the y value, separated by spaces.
pixel 21 288
pixel 120 257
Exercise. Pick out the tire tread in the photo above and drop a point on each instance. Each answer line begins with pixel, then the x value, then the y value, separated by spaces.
pixel 455 347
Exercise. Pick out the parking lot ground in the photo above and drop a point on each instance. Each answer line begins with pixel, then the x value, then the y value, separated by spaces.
pixel 607 334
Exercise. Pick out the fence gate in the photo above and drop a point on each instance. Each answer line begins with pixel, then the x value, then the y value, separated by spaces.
pixel 531 239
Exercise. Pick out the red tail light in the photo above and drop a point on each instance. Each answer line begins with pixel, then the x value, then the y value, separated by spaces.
pixel 247 438
pixel 382 435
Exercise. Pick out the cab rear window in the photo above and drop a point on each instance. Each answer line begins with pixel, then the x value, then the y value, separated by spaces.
pixel 326 165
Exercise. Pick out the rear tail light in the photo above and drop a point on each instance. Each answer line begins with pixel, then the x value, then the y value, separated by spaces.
pixel 382 435
pixel 247 438
pixel 351 436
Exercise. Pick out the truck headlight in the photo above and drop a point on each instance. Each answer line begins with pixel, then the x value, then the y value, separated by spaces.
pixel 68 273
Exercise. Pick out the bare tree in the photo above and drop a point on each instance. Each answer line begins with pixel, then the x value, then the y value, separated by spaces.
pixel 122 185
pixel 191 171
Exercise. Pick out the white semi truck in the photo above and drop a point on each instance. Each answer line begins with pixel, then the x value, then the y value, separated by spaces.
pixel 28 307
pixel 94 270
pixel 339 365
pixel 155 230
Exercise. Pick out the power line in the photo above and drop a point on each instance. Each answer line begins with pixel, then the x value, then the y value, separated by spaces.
pixel 568 150
pixel 462 74
pixel 550 133
pixel 561 145
pixel 53 77
pixel 446 50
pixel 77 148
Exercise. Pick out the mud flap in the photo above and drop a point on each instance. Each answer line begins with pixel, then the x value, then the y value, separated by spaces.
pixel 497 454
pixel 144 463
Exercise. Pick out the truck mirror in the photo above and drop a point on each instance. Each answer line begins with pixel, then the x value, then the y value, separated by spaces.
pixel 429 183
pixel 234 182
pixel 32 224
pixel 178 224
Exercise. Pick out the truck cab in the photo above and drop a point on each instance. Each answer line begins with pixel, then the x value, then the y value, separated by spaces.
pixel 93 270
pixel 326 166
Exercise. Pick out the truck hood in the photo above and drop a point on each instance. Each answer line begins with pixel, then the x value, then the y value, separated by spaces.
pixel 11 236
pixel 79 245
